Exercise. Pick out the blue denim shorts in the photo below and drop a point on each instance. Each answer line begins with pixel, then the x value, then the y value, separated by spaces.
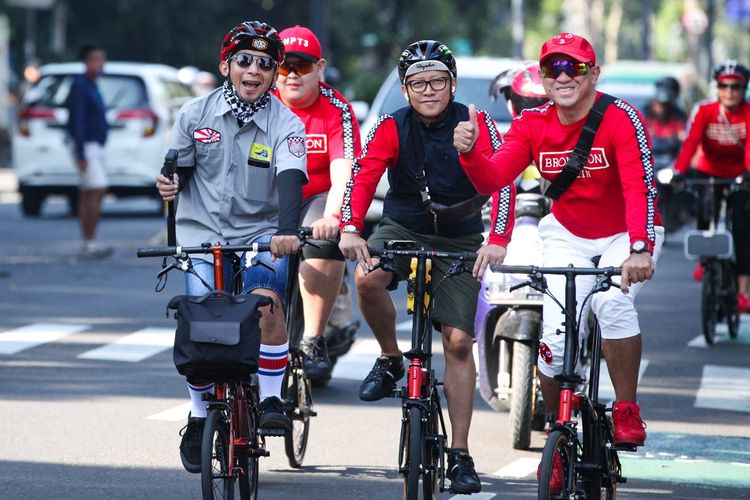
pixel 252 278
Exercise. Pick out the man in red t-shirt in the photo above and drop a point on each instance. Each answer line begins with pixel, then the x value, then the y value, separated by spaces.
pixel 609 211
pixel 332 144
pixel 721 128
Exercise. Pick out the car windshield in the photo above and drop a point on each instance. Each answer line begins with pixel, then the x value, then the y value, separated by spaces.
pixel 118 91
pixel 470 90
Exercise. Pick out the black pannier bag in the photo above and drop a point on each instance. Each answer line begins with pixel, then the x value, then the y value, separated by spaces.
pixel 218 336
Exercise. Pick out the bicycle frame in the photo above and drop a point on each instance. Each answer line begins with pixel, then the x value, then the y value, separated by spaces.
pixel 421 391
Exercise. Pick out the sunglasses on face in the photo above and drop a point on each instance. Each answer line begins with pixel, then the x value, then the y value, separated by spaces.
pixel 553 68
pixel 299 67
pixel 730 86
pixel 265 63
pixel 436 84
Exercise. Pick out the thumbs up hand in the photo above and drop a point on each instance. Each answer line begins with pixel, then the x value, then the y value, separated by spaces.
pixel 466 133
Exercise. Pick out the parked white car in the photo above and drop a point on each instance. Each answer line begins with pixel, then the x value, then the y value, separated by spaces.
pixel 475 74
pixel 141 101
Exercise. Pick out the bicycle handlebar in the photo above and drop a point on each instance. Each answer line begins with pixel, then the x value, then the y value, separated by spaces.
pixel 533 270
pixel 206 248
pixel 715 181
pixel 437 254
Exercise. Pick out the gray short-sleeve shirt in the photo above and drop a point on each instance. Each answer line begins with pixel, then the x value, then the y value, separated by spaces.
pixel 232 196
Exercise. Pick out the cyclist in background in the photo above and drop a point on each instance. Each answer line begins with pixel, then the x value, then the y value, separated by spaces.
pixel 721 129
pixel 332 144
pixel 609 211
pixel 665 120
pixel 240 171
pixel 414 145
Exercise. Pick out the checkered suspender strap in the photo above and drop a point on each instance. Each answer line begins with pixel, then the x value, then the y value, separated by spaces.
pixel 579 156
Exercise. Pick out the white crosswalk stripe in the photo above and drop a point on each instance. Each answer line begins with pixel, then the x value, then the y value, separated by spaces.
pixel 724 388
pixel 174 414
pixel 134 347
pixel 26 337
pixel 521 468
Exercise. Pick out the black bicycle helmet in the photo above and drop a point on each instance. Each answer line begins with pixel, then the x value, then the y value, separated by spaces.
pixel 253 35
pixel 670 83
pixel 500 86
pixel 423 52
pixel 731 69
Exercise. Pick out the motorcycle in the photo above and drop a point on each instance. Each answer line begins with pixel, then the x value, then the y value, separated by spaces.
pixel 508 327
pixel 676 205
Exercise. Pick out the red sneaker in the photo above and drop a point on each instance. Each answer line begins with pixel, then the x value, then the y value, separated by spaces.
pixel 698 272
pixel 629 426
pixel 743 303
pixel 556 478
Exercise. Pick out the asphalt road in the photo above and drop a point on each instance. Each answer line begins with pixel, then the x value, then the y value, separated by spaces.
pixel 81 423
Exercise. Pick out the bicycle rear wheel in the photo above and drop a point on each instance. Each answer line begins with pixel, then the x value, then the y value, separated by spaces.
pixel 247 458
pixel 557 442
pixel 299 407
pixel 709 302
pixel 217 481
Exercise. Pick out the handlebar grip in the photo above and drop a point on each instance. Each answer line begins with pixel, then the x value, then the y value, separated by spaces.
pixel 155 252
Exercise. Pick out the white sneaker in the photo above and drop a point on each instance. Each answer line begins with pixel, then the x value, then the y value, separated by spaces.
pixel 94 251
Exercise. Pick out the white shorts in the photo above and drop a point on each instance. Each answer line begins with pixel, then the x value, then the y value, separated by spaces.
pixel 615 310
pixel 95 176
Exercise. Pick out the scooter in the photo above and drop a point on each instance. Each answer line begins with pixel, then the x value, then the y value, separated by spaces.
pixel 508 326
pixel 676 204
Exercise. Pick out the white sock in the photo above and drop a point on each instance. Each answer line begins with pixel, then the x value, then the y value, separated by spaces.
pixel 198 407
pixel 272 365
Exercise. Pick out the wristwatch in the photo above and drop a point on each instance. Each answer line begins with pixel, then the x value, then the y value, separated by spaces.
pixel 349 228
pixel 639 246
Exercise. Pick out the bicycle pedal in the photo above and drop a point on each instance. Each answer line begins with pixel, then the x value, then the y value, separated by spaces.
pixel 271 432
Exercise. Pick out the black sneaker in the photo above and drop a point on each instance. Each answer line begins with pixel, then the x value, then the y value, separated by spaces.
pixel 190 446
pixel 272 416
pixel 316 363
pixel 464 479
pixel 379 382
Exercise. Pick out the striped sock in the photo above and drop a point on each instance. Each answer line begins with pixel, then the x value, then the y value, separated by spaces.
pixel 273 360
pixel 199 408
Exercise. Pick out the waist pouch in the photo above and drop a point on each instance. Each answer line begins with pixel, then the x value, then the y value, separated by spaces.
pixel 218 336
pixel 453 214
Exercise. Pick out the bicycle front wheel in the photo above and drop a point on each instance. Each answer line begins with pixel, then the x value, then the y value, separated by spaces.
pixel 299 407
pixel 217 481
pixel 557 443
pixel 729 288
pixel 412 465
pixel 522 395
pixel 709 302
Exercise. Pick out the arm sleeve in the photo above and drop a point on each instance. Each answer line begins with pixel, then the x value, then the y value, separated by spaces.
pixel 503 199
pixel 380 153
pixel 690 146
pixel 633 154
pixel 491 173
pixel 77 118
pixel 289 185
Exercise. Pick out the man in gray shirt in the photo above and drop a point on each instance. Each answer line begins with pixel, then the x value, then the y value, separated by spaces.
pixel 240 170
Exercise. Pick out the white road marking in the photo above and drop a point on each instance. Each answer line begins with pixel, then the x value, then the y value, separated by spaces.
pixel 521 468
pixel 722 334
pixel 724 388
pixel 29 336
pixel 134 347
pixel 174 414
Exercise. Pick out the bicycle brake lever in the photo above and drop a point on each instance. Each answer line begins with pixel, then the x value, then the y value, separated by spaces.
pixel 165 270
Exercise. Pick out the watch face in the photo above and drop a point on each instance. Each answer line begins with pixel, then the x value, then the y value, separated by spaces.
pixel 349 228
pixel 638 246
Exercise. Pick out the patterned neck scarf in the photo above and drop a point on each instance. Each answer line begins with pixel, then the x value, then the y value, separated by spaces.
pixel 242 110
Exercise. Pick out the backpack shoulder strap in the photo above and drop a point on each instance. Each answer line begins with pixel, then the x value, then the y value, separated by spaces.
pixel 580 154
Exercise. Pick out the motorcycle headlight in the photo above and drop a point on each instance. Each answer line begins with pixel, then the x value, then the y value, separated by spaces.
pixel 665 175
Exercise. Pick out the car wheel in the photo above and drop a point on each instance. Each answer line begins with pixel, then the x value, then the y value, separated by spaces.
pixel 31 202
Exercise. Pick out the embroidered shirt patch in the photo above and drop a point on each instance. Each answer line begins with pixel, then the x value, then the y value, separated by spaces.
pixel 296 146
pixel 207 135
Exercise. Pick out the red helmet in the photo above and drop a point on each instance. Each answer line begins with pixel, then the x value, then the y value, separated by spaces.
pixel 528 82
pixel 253 35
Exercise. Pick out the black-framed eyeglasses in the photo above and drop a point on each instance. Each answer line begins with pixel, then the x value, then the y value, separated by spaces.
pixel 552 68
pixel 265 63
pixel 730 86
pixel 436 84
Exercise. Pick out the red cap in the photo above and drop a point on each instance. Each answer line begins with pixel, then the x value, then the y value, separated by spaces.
pixel 571 45
pixel 302 42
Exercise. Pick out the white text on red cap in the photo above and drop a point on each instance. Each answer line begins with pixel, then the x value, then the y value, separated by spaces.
pixel 296 41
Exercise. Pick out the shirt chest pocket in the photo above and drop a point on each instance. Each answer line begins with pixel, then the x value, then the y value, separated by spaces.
pixel 210 159
pixel 257 180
